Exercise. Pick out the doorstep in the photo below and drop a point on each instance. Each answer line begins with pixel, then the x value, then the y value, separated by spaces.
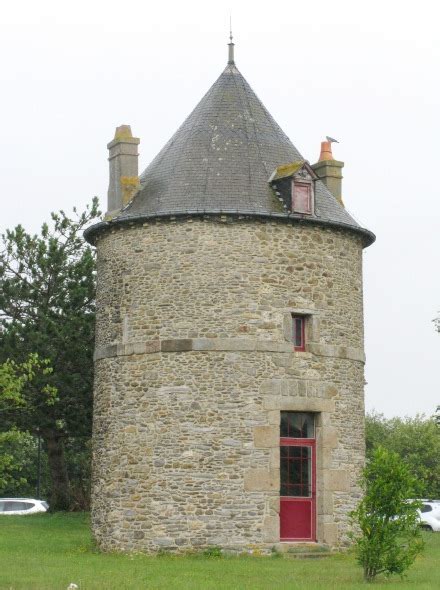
pixel 303 550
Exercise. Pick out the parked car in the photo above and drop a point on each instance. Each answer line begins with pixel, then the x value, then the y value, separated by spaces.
pixel 430 515
pixel 22 506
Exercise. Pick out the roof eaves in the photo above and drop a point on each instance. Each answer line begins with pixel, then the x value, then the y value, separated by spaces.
pixel 92 232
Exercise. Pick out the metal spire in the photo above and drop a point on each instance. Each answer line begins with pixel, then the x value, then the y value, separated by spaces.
pixel 230 44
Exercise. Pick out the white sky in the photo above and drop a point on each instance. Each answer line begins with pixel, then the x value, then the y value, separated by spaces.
pixel 365 73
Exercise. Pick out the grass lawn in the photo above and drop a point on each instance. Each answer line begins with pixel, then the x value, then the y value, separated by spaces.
pixel 47 552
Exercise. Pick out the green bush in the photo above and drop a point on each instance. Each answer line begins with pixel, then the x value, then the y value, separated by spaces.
pixel 387 537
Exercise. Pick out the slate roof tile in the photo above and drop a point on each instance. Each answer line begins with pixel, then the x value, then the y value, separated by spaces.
pixel 221 158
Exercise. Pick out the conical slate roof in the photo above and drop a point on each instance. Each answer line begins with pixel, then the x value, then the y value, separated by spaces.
pixel 222 156
pixel 220 160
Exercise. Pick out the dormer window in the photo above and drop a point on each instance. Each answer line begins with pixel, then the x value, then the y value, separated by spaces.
pixel 302 195
pixel 294 185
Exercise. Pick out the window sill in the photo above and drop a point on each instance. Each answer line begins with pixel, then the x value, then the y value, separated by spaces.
pixel 305 354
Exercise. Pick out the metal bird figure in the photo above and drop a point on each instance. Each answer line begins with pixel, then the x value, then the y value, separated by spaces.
pixel 331 139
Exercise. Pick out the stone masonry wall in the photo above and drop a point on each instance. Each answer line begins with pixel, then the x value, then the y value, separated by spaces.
pixel 194 365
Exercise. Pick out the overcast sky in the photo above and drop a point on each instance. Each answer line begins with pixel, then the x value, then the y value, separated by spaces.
pixel 365 73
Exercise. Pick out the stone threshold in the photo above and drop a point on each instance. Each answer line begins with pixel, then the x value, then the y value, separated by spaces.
pixel 303 549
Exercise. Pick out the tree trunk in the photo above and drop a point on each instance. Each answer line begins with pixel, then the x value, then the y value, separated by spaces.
pixel 60 494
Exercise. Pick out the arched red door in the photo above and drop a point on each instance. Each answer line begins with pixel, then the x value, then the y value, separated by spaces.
pixel 298 477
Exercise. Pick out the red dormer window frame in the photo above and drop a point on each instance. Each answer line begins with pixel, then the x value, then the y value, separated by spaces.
pixel 303 186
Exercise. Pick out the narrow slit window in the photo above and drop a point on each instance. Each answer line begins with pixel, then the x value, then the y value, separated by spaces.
pixel 298 332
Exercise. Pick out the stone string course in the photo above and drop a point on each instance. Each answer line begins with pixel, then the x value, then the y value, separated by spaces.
pixel 193 367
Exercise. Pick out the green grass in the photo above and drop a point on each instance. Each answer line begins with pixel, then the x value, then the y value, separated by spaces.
pixel 47 552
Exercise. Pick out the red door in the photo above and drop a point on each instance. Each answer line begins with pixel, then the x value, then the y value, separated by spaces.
pixel 298 478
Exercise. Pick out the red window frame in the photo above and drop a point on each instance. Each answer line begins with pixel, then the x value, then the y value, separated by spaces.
pixel 299 344
pixel 296 207
pixel 291 501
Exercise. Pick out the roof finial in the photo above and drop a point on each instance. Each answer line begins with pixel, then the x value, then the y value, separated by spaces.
pixel 230 44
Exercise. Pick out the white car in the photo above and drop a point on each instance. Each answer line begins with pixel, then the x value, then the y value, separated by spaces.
pixel 430 515
pixel 22 506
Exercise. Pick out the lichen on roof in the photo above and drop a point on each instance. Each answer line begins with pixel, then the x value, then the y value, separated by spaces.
pixel 286 170
pixel 221 159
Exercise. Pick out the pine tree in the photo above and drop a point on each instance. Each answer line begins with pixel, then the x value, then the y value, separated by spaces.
pixel 47 307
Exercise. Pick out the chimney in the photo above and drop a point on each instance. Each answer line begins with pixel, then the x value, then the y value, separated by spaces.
pixel 329 170
pixel 123 159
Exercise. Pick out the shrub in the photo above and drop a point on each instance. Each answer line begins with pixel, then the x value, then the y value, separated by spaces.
pixel 387 537
pixel 212 552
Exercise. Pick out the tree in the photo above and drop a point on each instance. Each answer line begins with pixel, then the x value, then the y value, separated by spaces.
pixel 19 465
pixel 16 447
pixel 388 538
pixel 437 412
pixel 417 442
pixel 47 306
pixel 437 416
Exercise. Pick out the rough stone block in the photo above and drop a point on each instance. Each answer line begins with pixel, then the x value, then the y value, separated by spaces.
pixel 330 533
pixel 271 386
pixel 271 402
pixel 177 345
pixel 261 480
pixel 331 391
pixel 325 458
pixel 273 504
pixel 336 480
pixel 324 503
pixel 204 344
pixel 329 437
pixel 274 458
pixel 266 437
pixel 271 529
pixel 273 418
pixel 103 352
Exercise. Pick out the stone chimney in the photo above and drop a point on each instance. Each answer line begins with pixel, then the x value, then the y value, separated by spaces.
pixel 329 170
pixel 123 159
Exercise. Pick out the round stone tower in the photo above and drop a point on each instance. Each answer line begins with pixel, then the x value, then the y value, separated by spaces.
pixel 229 406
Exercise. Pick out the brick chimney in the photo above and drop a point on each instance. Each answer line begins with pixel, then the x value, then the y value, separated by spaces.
pixel 123 159
pixel 329 170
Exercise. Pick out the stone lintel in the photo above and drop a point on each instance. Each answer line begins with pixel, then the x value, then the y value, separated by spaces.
pixel 298 404
pixel 302 311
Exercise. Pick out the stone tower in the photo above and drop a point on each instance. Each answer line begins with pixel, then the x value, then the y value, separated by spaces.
pixel 229 406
